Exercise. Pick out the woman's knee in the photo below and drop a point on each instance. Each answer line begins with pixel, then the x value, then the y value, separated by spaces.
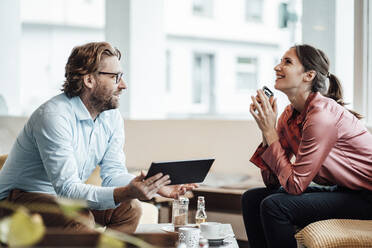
pixel 270 202
pixel 254 196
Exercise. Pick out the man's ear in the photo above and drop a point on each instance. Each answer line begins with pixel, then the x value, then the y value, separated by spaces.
pixel 88 81
pixel 309 76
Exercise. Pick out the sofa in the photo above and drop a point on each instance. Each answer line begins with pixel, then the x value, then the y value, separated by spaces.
pixel 230 142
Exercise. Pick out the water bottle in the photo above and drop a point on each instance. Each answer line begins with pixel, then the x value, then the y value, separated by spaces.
pixel 201 215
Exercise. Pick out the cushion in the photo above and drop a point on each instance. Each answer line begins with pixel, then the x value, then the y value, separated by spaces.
pixel 336 233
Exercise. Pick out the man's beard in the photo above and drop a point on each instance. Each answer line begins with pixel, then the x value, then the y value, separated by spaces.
pixel 100 100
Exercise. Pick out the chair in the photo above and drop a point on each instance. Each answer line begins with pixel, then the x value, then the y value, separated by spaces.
pixel 336 233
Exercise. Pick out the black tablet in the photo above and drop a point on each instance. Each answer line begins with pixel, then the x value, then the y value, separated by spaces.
pixel 180 172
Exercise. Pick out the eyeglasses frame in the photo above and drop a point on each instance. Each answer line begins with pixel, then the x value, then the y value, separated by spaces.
pixel 118 75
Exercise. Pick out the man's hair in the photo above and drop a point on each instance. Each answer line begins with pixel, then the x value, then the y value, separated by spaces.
pixel 84 60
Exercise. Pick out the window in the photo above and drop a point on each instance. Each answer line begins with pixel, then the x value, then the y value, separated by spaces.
pixel 203 81
pixel 369 66
pixel 363 62
pixel 202 8
pixel 47 40
pixel 246 73
pixel 254 10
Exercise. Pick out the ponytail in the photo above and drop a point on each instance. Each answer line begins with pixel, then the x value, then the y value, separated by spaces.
pixel 335 92
pixel 315 59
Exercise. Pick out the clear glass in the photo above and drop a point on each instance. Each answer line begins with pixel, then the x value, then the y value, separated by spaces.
pixel 201 215
pixel 180 210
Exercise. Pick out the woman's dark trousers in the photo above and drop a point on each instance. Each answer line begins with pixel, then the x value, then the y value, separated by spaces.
pixel 272 216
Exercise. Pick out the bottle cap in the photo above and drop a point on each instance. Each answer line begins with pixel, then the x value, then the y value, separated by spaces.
pixel 182 200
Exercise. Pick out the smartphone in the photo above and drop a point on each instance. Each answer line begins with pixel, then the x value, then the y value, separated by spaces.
pixel 267 92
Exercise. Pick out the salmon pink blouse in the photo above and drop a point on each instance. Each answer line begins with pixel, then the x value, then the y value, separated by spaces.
pixel 331 147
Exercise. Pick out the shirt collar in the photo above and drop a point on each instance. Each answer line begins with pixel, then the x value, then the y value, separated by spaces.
pixel 80 110
pixel 300 117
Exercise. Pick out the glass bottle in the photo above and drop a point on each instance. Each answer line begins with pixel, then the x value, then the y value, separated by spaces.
pixel 201 215
pixel 180 210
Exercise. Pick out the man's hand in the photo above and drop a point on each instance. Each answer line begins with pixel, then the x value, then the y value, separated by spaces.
pixel 141 189
pixel 174 191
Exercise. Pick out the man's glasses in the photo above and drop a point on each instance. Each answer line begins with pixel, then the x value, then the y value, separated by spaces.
pixel 117 75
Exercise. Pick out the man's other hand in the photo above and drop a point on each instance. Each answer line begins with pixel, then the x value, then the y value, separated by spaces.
pixel 174 191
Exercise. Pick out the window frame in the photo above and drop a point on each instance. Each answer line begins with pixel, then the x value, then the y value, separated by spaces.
pixel 362 64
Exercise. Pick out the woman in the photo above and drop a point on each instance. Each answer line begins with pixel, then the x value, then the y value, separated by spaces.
pixel 330 145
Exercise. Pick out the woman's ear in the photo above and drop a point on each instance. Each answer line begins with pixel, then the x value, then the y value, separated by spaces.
pixel 88 81
pixel 309 75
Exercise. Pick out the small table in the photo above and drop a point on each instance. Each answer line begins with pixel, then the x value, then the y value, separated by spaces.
pixel 229 242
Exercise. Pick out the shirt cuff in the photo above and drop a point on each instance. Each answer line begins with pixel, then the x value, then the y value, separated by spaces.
pixel 256 158
pixel 274 156
pixel 105 199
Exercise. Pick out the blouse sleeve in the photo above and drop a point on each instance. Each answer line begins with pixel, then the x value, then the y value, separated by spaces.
pixel 319 135
pixel 268 176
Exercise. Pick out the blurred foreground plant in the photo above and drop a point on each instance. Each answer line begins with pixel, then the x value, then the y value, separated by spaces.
pixel 25 229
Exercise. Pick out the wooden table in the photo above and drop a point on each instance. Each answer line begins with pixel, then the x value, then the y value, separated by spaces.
pixel 229 242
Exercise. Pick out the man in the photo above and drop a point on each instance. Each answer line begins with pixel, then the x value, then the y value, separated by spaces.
pixel 66 137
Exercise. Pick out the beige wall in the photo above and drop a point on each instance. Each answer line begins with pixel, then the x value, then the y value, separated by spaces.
pixel 230 142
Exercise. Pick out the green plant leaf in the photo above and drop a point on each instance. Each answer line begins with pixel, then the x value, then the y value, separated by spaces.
pixel 71 207
pixel 109 242
pixel 25 230
pixel 4 229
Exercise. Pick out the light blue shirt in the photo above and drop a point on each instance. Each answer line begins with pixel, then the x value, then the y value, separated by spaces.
pixel 60 146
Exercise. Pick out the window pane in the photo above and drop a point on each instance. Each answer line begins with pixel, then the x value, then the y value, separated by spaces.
pixel 254 10
pixel 246 76
pixel 202 7
pixel 202 80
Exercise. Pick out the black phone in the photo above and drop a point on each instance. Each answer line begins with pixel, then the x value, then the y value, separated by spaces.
pixel 267 92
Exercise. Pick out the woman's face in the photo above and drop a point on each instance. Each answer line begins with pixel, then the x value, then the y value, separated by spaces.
pixel 289 72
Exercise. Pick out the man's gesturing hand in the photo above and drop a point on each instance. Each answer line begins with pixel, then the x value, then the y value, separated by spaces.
pixel 141 189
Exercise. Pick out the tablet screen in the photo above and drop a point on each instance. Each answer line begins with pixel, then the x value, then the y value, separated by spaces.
pixel 181 172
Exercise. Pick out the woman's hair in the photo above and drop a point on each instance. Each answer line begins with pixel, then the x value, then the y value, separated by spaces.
pixel 314 59
pixel 84 60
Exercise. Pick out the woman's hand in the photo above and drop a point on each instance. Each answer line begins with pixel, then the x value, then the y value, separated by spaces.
pixel 265 116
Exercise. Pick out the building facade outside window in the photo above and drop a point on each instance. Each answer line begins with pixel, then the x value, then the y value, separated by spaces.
pixel 202 8
pixel 246 73
pixel 203 84
pixel 254 10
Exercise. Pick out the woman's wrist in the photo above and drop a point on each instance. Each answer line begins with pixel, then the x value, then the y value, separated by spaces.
pixel 264 142
pixel 271 136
